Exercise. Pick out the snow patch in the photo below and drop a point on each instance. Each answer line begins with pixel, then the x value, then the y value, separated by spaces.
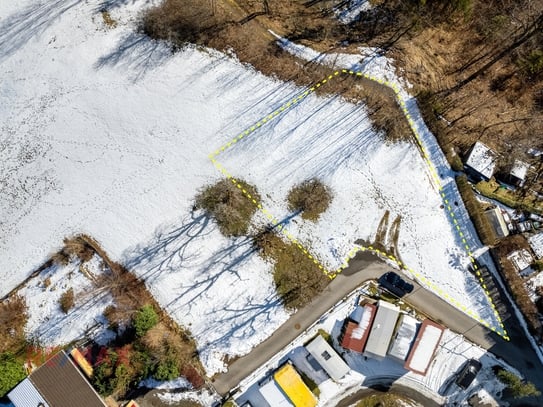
pixel 47 323
pixel 352 10
pixel 203 397
pixel 176 384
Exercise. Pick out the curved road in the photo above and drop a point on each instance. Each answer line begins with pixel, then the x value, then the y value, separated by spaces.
pixel 518 352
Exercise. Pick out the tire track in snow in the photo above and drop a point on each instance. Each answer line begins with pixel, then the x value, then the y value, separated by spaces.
pixel 388 257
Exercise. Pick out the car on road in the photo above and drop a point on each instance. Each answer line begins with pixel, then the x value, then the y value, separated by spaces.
pixel 468 373
pixel 395 284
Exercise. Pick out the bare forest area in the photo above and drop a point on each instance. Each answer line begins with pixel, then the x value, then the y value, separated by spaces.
pixel 476 66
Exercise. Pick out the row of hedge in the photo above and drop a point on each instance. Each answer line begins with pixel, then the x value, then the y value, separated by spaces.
pixel 482 225
pixel 513 199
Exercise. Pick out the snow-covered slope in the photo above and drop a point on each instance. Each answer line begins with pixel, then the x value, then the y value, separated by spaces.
pixel 106 132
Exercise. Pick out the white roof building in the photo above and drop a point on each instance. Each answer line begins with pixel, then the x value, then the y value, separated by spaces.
pixel 273 395
pixel 521 259
pixel 519 170
pixel 536 242
pixel 405 335
pixel 482 160
pixel 425 346
pixel 328 358
pixel 382 330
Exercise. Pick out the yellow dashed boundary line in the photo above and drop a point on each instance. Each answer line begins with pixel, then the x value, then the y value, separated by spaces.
pixel 333 274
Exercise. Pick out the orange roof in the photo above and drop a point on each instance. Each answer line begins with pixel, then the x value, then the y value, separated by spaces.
pixel 83 364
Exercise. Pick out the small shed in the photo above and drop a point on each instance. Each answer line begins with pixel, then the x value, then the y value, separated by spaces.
pixel 481 161
pixel 294 387
pixel 496 219
pixel 536 243
pixel 521 259
pixel 517 175
pixel 328 358
pixel 381 330
pixel 83 363
pixel 404 337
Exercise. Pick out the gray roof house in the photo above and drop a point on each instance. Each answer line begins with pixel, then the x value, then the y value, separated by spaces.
pixel 57 383
pixel 382 330
pixel 481 161
pixel 328 358
pixel 404 337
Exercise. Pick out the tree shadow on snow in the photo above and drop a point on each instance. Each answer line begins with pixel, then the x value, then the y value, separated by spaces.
pixel 111 4
pixel 178 248
pixel 223 262
pixel 169 250
pixel 19 28
pixel 137 55
pixel 241 322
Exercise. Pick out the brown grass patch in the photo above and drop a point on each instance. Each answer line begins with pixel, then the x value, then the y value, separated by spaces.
pixel 67 300
pixel 13 317
pixel 297 278
pixel 229 206
pixel 77 247
pixel 515 283
pixel 61 258
pixel 311 198
pixel 109 21
pixel 164 345
pixel 482 225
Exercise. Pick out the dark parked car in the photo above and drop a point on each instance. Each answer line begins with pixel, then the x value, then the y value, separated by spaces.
pixel 395 284
pixel 468 373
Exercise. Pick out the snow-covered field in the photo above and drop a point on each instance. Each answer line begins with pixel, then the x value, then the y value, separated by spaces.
pixel 437 384
pixel 333 140
pixel 106 132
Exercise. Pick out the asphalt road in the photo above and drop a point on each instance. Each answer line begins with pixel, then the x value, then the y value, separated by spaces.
pixel 301 320
pixel 365 266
